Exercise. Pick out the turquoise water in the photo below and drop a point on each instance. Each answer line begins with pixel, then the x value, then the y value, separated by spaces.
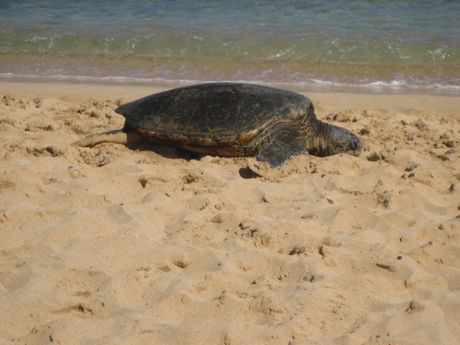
pixel 377 45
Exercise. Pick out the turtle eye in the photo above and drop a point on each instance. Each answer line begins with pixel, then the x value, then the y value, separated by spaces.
pixel 354 145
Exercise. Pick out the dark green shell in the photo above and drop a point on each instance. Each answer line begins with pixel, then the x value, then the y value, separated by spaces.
pixel 214 114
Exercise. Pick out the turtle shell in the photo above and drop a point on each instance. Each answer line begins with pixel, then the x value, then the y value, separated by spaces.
pixel 213 114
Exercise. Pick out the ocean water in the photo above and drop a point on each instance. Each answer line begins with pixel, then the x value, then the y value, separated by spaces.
pixel 379 45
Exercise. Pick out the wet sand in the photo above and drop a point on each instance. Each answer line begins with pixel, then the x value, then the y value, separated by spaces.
pixel 109 245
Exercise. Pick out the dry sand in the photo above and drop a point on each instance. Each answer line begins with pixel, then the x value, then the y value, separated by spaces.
pixel 108 245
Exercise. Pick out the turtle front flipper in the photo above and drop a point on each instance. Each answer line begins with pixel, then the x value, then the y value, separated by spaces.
pixel 280 142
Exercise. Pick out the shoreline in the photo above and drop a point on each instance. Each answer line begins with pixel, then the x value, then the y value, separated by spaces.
pixel 310 84
pixel 447 105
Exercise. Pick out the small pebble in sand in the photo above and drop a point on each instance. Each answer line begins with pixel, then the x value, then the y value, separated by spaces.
pixel 374 157
pixel 297 251
pixel 364 131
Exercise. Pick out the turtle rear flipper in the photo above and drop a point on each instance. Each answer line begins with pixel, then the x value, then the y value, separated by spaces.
pixel 281 142
pixel 119 136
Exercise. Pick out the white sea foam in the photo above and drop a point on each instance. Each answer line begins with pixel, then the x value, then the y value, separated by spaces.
pixel 395 85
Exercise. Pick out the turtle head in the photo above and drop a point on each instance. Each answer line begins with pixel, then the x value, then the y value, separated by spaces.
pixel 338 140
pixel 333 139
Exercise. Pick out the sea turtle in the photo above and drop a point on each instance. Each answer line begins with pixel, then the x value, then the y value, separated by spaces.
pixel 231 119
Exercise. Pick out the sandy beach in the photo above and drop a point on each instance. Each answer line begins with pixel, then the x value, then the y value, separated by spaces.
pixel 109 245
